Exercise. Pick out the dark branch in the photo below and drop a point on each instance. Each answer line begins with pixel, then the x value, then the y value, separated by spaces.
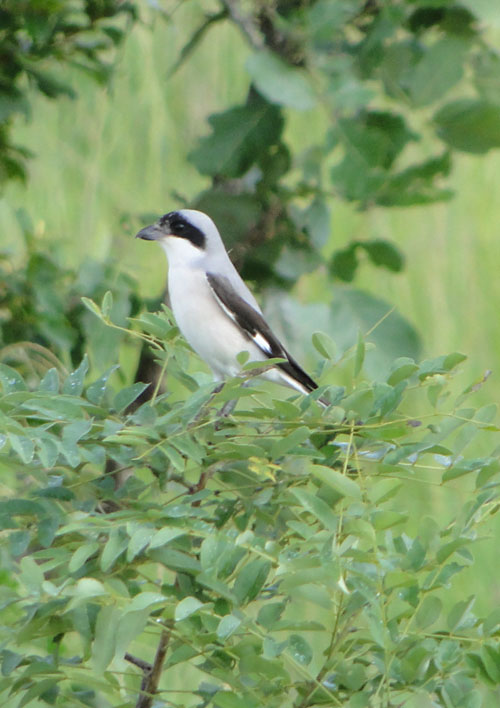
pixel 150 672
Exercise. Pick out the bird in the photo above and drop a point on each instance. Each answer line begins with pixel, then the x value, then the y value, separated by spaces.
pixel 214 309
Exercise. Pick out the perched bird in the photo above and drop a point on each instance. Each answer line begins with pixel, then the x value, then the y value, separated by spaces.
pixel 214 309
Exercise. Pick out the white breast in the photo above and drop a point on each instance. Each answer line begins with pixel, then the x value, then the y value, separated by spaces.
pixel 211 333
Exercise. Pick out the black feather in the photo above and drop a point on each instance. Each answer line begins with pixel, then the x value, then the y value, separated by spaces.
pixel 177 225
pixel 253 326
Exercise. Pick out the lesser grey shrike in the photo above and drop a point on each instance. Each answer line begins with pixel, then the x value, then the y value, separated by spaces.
pixel 213 308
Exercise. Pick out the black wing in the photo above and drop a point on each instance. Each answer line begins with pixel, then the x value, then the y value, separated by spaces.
pixel 256 329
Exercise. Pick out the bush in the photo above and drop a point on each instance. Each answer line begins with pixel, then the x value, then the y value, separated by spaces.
pixel 296 575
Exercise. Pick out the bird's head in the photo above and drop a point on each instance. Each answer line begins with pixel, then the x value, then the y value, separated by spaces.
pixel 186 236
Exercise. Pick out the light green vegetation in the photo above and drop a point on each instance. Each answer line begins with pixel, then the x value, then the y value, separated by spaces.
pixel 115 154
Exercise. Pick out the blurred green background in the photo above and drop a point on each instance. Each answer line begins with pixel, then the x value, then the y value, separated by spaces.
pixel 121 150
pixel 107 161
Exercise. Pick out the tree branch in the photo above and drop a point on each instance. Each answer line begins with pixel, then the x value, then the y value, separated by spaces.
pixel 245 24
pixel 151 672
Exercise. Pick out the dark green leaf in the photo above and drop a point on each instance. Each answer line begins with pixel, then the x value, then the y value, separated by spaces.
pixel 440 68
pixel 383 253
pixel 239 136
pixel 469 124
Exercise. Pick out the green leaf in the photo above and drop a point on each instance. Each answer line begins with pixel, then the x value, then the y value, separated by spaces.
pixel 10 661
pixel 39 689
pixel 145 600
pixel 324 345
pixel 440 68
pixel 460 615
pixel 317 507
pixel 48 450
pixel 103 647
pixel 31 575
pixel 299 649
pixel 382 520
pixel 130 626
pixel 227 626
pixel 107 303
pixel 88 587
pixel 452 360
pixel 270 613
pixel 60 408
pixel 359 403
pixel 187 607
pixel 128 395
pixel 115 545
pixel 164 536
pixel 228 699
pixel 97 390
pixel 316 220
pixel 402 369
pixel 157 325
pixel 11 380
pixel 81 555
pixel 279 82
pixel 73 386
pixel 50 382
pixel 23 446
pixel 239 136
pixel 19 542
pixel 486 414
pixel 175 560
pixel 71 435
pixel 92 306
pixel 449 548
pixel 469 124
pixel 429 611
pixel 341 483
pixel 344 263
pixel 140 538
pixel 384 254
pixel 174 457
pixel 288 443
pixel 250 580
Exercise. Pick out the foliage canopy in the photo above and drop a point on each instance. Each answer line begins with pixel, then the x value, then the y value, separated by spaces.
pixel 294 578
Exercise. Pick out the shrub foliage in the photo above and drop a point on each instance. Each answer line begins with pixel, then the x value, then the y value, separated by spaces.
pixel 297 575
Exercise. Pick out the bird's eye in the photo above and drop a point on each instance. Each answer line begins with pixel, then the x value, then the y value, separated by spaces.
pixel 179 226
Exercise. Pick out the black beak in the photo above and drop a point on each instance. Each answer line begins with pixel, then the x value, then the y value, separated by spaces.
pixel 150 233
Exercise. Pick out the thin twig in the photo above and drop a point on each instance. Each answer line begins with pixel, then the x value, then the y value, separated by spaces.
pixel 143 665
pixel 196 38
pixel 245 24
pixel 150 672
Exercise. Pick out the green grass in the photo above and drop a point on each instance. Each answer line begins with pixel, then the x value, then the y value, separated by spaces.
pixel 117 153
